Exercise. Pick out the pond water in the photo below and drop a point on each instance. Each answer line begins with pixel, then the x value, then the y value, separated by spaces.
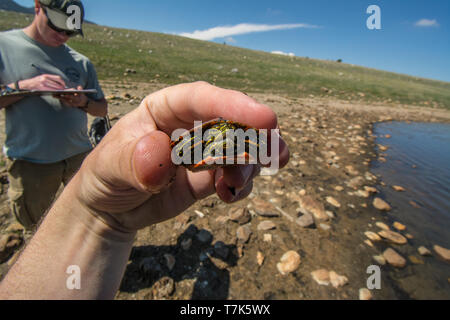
pixel 418 159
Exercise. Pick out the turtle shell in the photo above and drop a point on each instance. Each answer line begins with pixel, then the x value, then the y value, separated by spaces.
pixel 218 147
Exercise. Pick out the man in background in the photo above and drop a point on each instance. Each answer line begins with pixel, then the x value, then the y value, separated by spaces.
pixel 46 137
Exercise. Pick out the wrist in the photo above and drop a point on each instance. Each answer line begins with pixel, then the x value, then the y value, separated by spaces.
pixel 97 222
pixel 85 106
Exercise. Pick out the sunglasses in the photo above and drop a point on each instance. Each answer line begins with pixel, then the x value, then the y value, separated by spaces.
pixel 69 33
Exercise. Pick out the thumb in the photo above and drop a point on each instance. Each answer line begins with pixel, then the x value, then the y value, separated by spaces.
pixel 152 162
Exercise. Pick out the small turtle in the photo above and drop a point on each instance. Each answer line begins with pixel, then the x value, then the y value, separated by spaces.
pixel 218 143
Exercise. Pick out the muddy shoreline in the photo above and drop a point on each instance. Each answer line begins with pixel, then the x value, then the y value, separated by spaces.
pixel 215 251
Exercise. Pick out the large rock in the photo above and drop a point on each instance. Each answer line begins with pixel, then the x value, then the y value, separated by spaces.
pixel 393 237
pixel 305 221
pixel 442 253
pixel 394 259
pixel 308 205
pixel 289 262
pixel 380 204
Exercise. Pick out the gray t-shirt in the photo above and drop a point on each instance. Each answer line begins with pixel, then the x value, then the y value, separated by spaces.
pixel 42 129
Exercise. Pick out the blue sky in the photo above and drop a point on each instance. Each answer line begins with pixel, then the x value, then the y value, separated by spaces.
pixel 414 37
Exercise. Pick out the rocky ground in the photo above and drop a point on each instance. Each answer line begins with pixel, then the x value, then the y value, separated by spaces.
pixel 309 232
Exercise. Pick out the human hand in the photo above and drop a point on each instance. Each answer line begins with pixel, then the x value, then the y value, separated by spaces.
pixel 75 100
pixel 129 180
pixel 45 82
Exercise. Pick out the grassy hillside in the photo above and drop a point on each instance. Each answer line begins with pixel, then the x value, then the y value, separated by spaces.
pixel 172 59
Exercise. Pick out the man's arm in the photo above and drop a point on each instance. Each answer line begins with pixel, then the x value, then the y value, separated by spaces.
pixel 42 82
pixel 97 108
pixel 70 245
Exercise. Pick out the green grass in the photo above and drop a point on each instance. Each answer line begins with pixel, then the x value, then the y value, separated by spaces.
pixel 176 59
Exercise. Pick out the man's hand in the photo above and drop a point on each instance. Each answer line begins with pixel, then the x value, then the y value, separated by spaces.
pixel 129 180
pixel 43 82
pixel 76 100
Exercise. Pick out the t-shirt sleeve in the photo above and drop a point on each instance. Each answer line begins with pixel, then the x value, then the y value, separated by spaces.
pixel 93 83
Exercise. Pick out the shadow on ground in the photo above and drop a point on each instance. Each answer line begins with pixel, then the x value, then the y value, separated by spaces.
pixel 197 259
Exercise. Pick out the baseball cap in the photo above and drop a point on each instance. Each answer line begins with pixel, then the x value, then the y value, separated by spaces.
pixel 59 14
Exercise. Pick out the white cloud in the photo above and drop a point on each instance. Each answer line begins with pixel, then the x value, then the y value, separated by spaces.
pixel 290 54
pixel 243 28
pixel 426 23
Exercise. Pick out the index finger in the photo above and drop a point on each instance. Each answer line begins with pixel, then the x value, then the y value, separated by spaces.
pixel 55 78
pixel 179 106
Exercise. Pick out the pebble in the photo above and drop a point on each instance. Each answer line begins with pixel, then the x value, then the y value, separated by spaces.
pixel 311 206
pixel 356 183
pixel 380 204
pixel 239 215
pixel 267 237
pixel 186 244
pixel 351 170
pixel 170 261
pixel 200 214
pixel 243 233
pixel 163 288
pixel 305 221
pixel 415 260
pixel 339 188
pixel 264 208
pixel 399 226
pixel 333 202
pixel 424 251
pixel 365 294
pixel 221 249
pixel 204 236
pixel 442 253
pixel 266 225
pixel 149 265
pixel 398 188
pixel 372 236
pixel 380 260
pixel 289 262
pixel 371 189
pixel 392 236
pixel 324 226
pixel 393 258
pixel 321 276
pixel 337 280
pixel 260 258
pixel 382 225
pixel 369 243
pixel 362 193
